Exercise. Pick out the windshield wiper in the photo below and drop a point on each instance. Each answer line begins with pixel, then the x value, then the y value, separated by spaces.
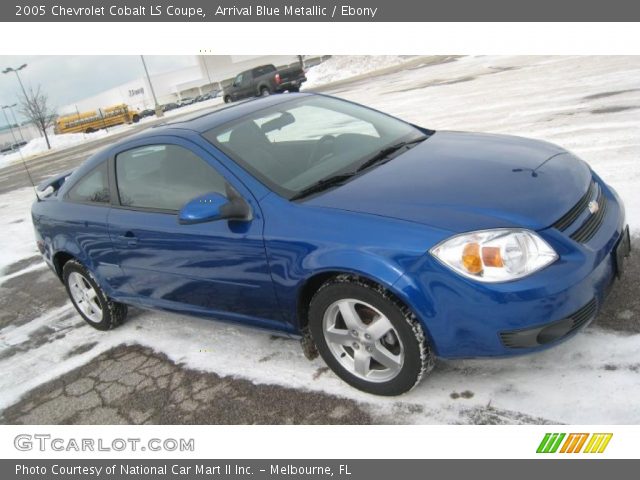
pixel 383 155
pixel 340 178
pixel 323 184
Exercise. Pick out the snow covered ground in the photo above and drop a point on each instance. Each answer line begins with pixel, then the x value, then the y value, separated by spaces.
pixel 588 104
pixel 341 67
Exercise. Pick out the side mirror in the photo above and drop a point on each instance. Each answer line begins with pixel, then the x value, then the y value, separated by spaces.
pixel 214 206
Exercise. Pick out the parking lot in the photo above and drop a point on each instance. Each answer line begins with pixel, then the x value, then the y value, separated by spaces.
pixel 164 368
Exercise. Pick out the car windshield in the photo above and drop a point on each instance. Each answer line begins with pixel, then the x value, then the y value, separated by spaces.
pixel 294 145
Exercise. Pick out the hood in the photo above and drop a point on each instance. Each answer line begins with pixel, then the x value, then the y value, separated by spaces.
pixel 469 181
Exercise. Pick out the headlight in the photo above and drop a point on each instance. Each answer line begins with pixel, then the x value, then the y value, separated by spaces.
pixel 496 255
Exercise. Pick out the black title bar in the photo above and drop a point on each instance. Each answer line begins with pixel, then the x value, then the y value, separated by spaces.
pixel 315 469
pixel 320 11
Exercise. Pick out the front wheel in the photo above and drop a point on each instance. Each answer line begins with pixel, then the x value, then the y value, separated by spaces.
pixel 92 304
pixel 227 99
pixel 367 338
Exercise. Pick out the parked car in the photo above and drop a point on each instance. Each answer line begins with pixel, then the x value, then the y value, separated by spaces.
pixel 263 81
pixel 11 147
pixel 148 112
pixel 186 101
pixel 380 243
pixel 170 106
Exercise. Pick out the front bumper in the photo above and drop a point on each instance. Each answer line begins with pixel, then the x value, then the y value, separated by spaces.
pixel 464 318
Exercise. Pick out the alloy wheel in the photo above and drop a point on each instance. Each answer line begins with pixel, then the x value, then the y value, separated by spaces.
pixel 363 340
pixel 85 297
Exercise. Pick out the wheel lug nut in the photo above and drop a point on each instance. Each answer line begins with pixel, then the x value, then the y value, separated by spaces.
pixel 369 349
pixel 367 336
pixel 356 345
pixel 354 333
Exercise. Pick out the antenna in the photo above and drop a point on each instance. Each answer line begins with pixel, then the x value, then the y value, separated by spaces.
pixel 24 164
pixel 15 142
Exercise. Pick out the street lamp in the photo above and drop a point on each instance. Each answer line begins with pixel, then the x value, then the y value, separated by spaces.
pixel 15 120
pixel 15 140
pixel 159 112
pixel 16 70
pixel 206 69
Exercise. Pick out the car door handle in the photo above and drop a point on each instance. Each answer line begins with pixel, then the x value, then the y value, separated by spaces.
pixel 129 239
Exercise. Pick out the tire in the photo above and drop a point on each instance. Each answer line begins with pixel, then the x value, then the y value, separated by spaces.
pixel 135 118
pixel 227 99
pixel 90 130
pixel 107 313
pixel 265 92
pixel 398 339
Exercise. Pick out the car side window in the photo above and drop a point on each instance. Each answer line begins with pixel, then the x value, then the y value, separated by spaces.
pixel 93 187
pixel 238 79
pixel 164 177
pixel 263 70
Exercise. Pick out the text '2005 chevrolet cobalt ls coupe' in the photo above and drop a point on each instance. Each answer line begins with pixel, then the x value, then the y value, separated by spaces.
pixel 382 244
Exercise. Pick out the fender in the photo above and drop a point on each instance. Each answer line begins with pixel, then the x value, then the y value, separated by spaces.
pixel 63 243
pixel 261 85
pixel 322 262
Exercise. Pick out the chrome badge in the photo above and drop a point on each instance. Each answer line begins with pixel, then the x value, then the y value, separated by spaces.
pixel 593 207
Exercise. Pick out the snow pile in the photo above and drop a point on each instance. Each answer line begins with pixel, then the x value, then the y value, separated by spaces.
pixel 38 145
pixel 342 67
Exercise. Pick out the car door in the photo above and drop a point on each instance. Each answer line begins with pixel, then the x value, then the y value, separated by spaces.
pixel 217 268
pixel 244 85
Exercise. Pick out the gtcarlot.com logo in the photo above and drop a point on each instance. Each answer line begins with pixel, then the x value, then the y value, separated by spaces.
pixel 574 443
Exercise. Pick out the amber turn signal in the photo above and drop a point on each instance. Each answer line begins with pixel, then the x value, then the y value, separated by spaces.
pixel 471 260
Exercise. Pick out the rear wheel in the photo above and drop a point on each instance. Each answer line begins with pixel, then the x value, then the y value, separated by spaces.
pixel 90 301
pixel 265 92
pixel 367 338
pixel 136 118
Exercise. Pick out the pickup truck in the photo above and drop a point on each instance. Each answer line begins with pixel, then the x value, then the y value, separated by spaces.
pixel 264 80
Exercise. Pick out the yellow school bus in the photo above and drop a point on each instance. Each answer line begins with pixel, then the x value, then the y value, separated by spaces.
pixel 93 121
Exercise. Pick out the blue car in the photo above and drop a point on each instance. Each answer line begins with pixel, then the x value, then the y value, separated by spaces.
pixel 379 243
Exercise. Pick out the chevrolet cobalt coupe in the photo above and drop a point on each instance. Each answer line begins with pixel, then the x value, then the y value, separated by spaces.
pixel 381 244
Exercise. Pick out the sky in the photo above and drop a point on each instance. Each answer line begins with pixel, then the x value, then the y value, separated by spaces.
pixel 66 79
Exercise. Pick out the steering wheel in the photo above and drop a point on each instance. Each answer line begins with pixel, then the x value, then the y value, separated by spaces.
pixel 324 147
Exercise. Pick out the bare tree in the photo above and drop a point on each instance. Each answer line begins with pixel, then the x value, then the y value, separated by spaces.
pixel 35 107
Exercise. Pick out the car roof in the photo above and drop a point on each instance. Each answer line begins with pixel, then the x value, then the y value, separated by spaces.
pixel 202 122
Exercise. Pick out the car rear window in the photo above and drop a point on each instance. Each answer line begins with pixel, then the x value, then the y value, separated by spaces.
pixel 93 187
pixel 264 69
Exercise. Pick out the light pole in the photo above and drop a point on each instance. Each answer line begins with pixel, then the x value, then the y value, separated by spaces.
pixel 15 140
pixel 15 120
pixel 159 112
pixel 16 70
pixel 206 69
